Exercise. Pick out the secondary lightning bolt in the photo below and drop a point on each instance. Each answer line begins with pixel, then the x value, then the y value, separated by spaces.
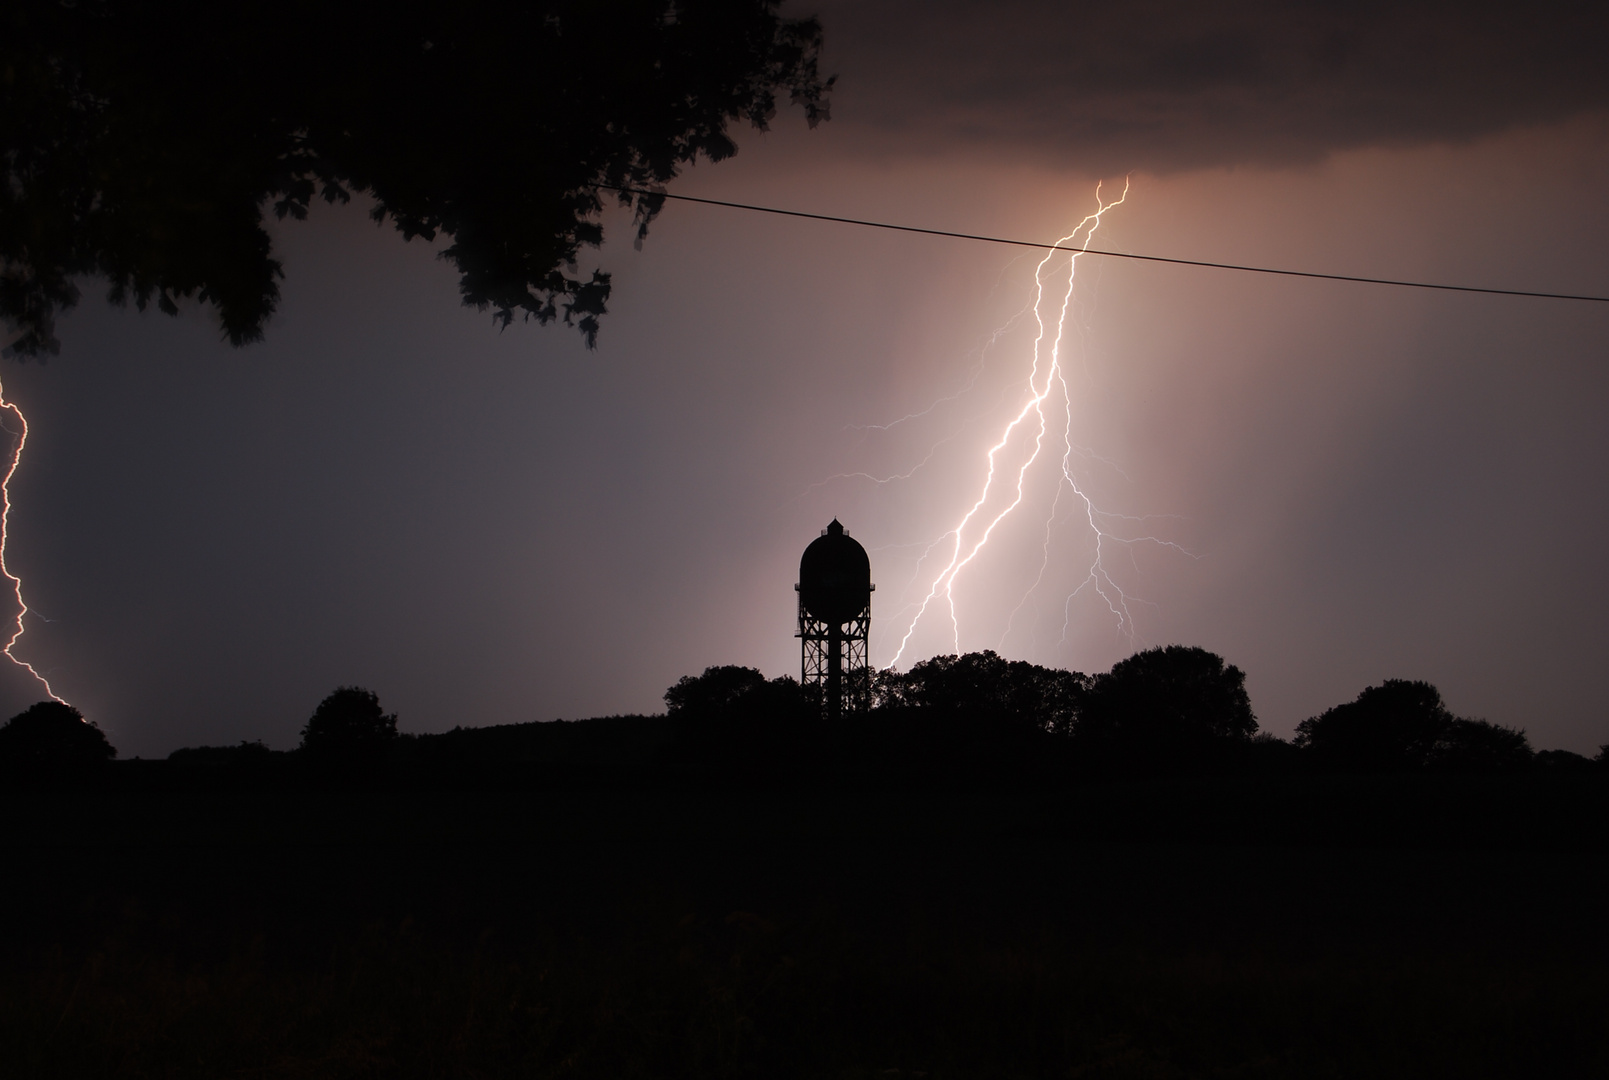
pixel 5 524
pixel 1095 574
pixel 972 381
pixel 975 528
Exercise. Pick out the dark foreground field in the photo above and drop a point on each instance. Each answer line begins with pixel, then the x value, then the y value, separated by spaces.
pixel 1124 931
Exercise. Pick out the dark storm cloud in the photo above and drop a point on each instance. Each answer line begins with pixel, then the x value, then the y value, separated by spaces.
pixel 1169 84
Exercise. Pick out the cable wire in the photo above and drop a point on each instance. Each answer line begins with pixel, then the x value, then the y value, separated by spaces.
pixel 1103 254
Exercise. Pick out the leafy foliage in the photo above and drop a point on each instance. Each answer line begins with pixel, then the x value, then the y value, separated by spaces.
pixel 1480 746
pixel 1390 726
pixel 51 739
pixel 1166 707
pixel 1015 691
pixel 728 689
pixel 1562 760
pixel 717 688
pixel 141 141
pixel 1401 725
pixel 349 727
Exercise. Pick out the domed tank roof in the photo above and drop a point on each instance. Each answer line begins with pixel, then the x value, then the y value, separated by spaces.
pixel 835 577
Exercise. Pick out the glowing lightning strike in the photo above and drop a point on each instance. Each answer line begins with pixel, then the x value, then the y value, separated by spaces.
pixel 971 543
pixel 5 520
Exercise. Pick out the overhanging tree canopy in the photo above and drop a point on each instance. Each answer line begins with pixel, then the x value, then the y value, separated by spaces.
pixel 142 141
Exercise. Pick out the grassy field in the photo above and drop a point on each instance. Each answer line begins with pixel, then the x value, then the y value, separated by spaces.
pixel 618 933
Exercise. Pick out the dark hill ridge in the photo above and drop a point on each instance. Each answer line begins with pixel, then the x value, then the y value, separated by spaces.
pixel 1000 870
pixel 604 751
pixel 623 743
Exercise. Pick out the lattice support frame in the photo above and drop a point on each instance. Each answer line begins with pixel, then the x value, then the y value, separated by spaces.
pixel 835 661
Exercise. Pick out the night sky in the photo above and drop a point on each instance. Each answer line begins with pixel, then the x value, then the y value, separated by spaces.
pixel 492 527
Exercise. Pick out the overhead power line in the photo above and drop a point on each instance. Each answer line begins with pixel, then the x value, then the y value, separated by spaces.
pixel 1104 254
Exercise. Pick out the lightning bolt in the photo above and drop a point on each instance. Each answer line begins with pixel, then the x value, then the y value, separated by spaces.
pixel 968 538
pixel 5 525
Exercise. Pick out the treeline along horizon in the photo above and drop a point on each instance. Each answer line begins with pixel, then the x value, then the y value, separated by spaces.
pixel 971 720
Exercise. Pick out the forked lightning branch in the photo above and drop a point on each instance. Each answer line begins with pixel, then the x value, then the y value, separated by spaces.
pixel 19 437
pixel 1024 441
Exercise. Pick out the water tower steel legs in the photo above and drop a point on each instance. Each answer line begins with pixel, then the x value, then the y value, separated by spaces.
pixel 835 661
pixel 835 672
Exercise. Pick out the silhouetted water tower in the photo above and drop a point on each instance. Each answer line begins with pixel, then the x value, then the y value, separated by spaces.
pixel 835 620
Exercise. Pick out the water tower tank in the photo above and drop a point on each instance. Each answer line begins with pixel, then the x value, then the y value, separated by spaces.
pixel 835 577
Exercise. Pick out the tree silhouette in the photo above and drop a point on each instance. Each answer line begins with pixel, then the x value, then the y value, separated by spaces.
pixel 732 725
pixel 1562 760
pixel 1480 746
pixel 349 728
pixel 1166 707
pixel 141 141
pixel 50 740
pixel 717 689
pixel 733 692
pixel 1403 725
pixel 1015 691
pixel 1389 727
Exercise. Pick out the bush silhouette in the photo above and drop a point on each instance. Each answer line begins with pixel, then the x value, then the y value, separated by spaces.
pixel 1402 725
pixel 1166 707
pixel 50 740
pixel 349 728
